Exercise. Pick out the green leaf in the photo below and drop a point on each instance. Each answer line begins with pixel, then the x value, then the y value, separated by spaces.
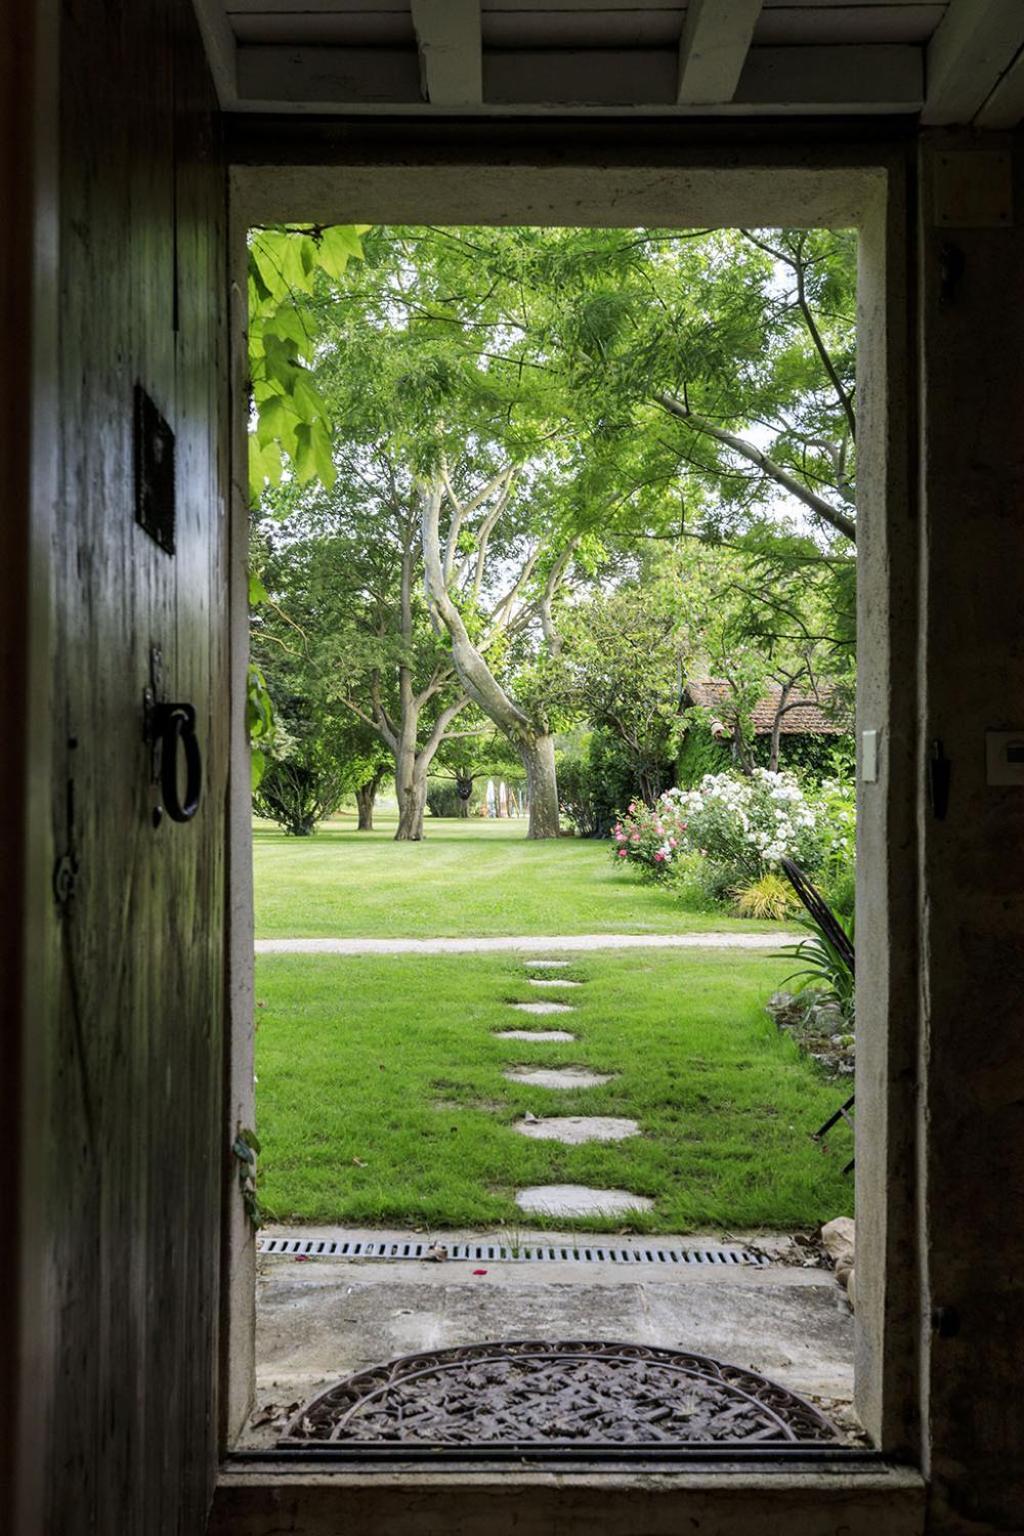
pixel 323 458
pixel 337 246
pixel 257 591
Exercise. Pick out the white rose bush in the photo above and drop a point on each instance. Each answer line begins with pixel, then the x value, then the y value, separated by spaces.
pixel 734 828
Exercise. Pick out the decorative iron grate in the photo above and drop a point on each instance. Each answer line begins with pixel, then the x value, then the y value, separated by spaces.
pixel 504 1253
pixel 559 1394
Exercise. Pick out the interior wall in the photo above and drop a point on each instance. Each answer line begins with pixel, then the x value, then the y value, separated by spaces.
pixel 135 948
pixel 971 659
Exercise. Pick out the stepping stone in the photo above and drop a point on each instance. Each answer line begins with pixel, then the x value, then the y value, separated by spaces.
pixel 558 1077
pixel 533 1034
pixel 552 981
pixel 543 1007
pixel 574 1130
pixel 546 965
pixel 579 1200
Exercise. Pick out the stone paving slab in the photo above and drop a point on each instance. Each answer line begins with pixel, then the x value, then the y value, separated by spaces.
pixel 533 1034
pixel 564 1078
pixel 576 1130
pixel 531 944
pixel 572 1200
pixel 551 981
pixel 543 1007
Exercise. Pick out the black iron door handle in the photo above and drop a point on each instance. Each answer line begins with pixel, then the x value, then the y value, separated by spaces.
pixel 176 723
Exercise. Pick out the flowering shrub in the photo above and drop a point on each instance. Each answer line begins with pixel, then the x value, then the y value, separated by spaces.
pixel 835 805
pixel 740 827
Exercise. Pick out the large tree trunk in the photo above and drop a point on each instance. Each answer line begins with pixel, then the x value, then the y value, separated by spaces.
pixel 538 756
pixel 366 794
pixel 411 789
pixel 412 800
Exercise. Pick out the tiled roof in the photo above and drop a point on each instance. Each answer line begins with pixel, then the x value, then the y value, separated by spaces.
pixel 804 716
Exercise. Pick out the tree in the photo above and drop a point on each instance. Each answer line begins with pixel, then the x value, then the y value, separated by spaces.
pixel 407 358
pixel 627 656
pixel 343 569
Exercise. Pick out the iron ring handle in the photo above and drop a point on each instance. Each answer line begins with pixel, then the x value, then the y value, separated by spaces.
pixel 174 723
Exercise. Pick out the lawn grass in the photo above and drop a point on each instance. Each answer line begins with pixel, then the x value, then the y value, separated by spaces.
pixel 472 878
pixel 381 1098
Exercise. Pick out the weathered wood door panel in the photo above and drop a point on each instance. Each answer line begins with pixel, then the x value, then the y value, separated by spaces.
pixel 136 1105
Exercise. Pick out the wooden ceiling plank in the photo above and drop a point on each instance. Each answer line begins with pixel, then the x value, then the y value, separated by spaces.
pixel 1005 107
pixel 713 49
pixel 973 47
pixel 451 51
pixel 871 79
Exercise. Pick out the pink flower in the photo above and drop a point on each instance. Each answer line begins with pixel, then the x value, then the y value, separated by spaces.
pixel 620 836
pixel 659 829
pixel 635 837
pixel 623 853
pixel 659 857
pixel 672 843
pixel 632 807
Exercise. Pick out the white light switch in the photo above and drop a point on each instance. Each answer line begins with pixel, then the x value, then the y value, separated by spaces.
pixel 869 757
pixel 1004 757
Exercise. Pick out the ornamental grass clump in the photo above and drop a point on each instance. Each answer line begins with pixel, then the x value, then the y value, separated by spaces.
pixel 739 826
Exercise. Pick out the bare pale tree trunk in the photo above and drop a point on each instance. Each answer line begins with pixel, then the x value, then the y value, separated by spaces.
pixel 542 785
pixel 535 747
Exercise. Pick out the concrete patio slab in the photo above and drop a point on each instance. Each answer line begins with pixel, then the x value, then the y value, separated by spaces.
pixel 321 1320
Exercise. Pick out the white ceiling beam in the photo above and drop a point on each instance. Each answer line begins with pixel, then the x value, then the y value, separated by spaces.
pixel 451 51
pixel 221 49
pixel 973 47
pixel 874 78
pixel 713 49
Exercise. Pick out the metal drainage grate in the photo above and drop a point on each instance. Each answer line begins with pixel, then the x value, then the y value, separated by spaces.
pixel 494 1253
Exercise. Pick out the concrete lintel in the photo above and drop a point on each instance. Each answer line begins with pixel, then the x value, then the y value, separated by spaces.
pixel 256 1498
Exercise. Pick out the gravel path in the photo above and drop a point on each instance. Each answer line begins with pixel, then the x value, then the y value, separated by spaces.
pixel 530 945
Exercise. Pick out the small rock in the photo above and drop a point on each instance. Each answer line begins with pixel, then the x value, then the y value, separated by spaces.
pixel 838 1237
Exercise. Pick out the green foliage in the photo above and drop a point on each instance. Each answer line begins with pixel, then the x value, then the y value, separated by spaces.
pixel 769 897
pixel 300 790
pixel 699 755
pixel 259 714
pixel 443 799
pixel 596 777
pixel 291 423
pixel 821 965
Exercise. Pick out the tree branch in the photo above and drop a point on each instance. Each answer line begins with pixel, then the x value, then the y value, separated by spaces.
pixel 817 504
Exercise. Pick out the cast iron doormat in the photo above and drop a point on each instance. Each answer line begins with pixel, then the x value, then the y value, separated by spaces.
pixel 557 1395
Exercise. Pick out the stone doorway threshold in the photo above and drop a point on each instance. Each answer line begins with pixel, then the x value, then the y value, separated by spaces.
pixel 319 1319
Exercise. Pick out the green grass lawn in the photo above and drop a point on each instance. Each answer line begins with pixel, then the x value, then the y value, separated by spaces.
pixel 381 1096
pixel 467 878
